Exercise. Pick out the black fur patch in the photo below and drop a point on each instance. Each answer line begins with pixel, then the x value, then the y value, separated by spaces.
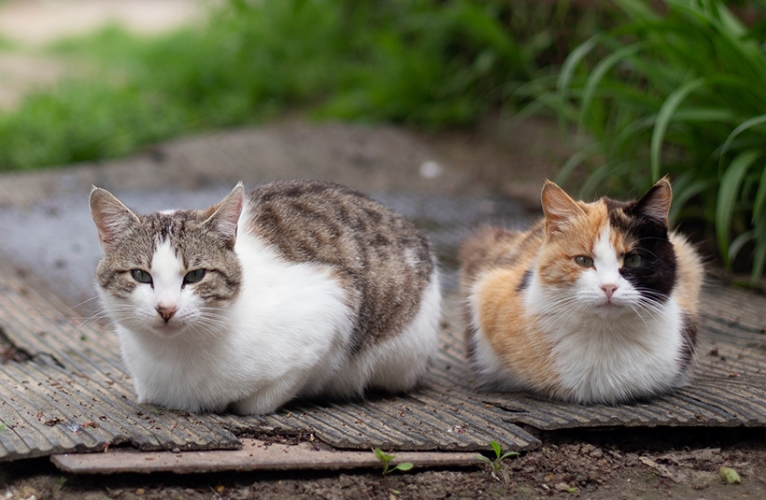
pixel 525 281
pixel 655 277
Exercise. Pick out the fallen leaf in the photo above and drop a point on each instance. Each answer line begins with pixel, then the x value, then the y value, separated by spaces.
pixel 729 475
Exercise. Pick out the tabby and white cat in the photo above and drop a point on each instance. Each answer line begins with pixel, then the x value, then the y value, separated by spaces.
pixel 293 289
pixel 595 303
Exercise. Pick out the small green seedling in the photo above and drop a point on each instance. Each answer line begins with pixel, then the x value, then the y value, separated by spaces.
pixel 499 456
pixel 386 459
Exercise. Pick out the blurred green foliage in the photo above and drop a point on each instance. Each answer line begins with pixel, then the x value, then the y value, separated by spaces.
pixel 673 86
pixel 682 91
pixel 426 62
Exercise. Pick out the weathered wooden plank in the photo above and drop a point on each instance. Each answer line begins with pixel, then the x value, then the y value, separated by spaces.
pixel 72 394
pixel 253 456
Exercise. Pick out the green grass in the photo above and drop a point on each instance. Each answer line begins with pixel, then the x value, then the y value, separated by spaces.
pixel 430 63
pixel 679 93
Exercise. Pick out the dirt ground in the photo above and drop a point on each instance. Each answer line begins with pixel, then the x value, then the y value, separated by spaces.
pixel 646 464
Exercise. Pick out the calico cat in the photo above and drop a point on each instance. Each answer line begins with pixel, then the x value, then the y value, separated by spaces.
pixel 293 289
pixel 597 303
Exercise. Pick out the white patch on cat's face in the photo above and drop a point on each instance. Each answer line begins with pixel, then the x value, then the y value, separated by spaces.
pixel 166 293
pixel 602 285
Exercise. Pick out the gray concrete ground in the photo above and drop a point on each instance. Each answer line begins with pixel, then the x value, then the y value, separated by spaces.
pixel 49 234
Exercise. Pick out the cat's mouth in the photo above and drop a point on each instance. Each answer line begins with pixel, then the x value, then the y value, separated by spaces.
pixel 169 329
pixel 609 303
pixel 609 306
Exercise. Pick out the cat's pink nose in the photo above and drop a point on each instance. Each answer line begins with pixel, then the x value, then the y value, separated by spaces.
pixel 166 312
pixel 609 290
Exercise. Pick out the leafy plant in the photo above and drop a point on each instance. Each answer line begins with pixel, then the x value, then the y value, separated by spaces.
pixel 386 459
pixel 676 92
pixel 432 63
pixel 496 462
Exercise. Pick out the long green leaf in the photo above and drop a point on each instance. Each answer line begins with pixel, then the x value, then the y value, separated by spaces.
pixel 759 205
pixel 638 9
pixel 759 254
pixel 598 74
pixel 574 161
pixel 727 194
pixel 574 58
pixel 567 70
pixel 738 243
pixel 682 196
pixel 704 115
pixel 664 117
pixel 748 124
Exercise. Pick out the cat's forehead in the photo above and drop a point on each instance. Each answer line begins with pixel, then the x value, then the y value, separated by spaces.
pixel 183 230
pixel 592 222
pixel 617 212
pixel 174 217
pixel 604 218
pixel 171 224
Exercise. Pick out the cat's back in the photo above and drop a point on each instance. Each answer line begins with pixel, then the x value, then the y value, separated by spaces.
pixel 378 256
pixel 498 251
pixel 495 272
pixel 324 222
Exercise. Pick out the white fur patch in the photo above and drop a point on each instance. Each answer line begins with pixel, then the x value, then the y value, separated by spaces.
pixel 621 357
pixel 397 363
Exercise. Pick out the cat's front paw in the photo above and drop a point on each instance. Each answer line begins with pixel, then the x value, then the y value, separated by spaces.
pixel 251 406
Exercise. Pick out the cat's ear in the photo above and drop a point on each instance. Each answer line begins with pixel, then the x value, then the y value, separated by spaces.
pixel 655 204
pixel 559 207
pixel 112 218
pixel 225 216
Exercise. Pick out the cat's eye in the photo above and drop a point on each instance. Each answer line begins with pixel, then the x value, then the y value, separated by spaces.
pixel 194 276
pixel 584 261
pixel 141 276
pixel 632 260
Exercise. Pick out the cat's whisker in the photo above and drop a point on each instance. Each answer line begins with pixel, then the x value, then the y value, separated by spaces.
pixel 74 308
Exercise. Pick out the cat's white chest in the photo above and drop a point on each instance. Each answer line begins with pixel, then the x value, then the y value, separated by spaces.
pixel 617 356
pixel 619 359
